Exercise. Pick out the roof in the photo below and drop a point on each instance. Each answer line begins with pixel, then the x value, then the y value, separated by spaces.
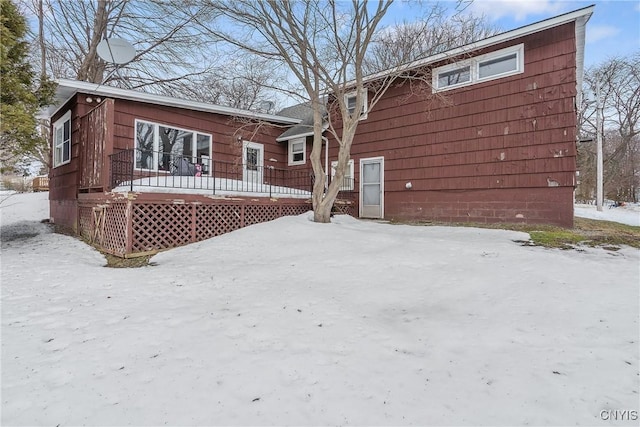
pixel 298 111
pixel 300 130
pixel 302 111
pixel 68 88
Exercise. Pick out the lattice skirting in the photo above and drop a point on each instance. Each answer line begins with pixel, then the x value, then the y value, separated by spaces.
pixel 345 208
pixel 136 227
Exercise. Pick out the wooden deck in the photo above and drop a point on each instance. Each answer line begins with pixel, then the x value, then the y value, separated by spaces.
pixel 137 224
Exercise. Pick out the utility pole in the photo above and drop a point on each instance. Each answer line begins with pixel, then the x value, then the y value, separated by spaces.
pixel 599 164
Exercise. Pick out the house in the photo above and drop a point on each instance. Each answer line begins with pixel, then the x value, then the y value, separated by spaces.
pixel 138 172
pixel 494 140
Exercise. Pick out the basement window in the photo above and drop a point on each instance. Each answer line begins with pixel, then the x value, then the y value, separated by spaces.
pixel 494 65
pixel 62 140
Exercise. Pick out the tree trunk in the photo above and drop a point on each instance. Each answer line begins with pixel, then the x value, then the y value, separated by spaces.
pixel 92 68
pixel 43 49
pixel 322 215
pixel 323 200
pixel 321 212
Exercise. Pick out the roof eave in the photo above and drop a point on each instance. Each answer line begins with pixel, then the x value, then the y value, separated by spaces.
pixel 300 135
pixel 73 87
pixel 325 126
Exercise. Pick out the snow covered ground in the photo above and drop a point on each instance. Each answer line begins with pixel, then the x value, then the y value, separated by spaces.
pixel 292 322
pixel 628 214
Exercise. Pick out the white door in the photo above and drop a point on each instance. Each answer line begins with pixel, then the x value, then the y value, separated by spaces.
pixel 252 165
pixel 372 187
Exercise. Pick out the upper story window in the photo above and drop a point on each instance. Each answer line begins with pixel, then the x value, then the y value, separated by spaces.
pixel 350 101
pixel 498 66
pixel 454 77
pixel 297 151
pixel 163 147
pixel 494 65
pixel 62 140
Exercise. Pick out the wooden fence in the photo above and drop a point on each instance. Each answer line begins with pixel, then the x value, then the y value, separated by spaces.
pixel 40 183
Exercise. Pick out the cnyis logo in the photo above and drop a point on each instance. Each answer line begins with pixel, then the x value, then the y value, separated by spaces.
pixel 618 415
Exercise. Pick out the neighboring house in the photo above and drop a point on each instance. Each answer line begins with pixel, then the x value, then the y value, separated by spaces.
pixel 129 167
pixel 500 146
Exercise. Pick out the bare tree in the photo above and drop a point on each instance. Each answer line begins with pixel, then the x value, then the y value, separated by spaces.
pixel 171 58
pixel 324 45
pixel 172 55
pixel 435 32
pixel 245 82
pixel 620 97
pixel 162 32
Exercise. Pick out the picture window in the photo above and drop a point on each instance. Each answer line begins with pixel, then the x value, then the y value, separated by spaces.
pixel 160 147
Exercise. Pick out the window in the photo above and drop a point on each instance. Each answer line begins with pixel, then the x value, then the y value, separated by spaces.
pixel 350 101
pixel 494 65
pixel 347 181
pixel 297 151
pixel 454 77
pixel 62 140
pixel 498 66
pixel 251 158
pixel 161 147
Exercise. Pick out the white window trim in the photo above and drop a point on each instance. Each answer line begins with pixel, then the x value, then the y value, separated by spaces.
pixel 60 124
pixel 156 141
pixel 304 151
pixel 474 64
pixel 365 104
pixel 350 187
pixel 451 67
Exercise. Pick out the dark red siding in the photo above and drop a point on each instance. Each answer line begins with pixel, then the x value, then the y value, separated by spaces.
pixel 108 127
pixel 502 150
pixel 227 133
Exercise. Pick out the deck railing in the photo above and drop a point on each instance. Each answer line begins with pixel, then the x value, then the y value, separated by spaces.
pixel 186 172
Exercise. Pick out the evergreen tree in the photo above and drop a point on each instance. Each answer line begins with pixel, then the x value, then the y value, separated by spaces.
pixel 20 99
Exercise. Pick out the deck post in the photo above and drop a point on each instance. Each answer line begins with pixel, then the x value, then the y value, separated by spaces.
pixel 194 222
pixel 133 164
pixel 128 236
